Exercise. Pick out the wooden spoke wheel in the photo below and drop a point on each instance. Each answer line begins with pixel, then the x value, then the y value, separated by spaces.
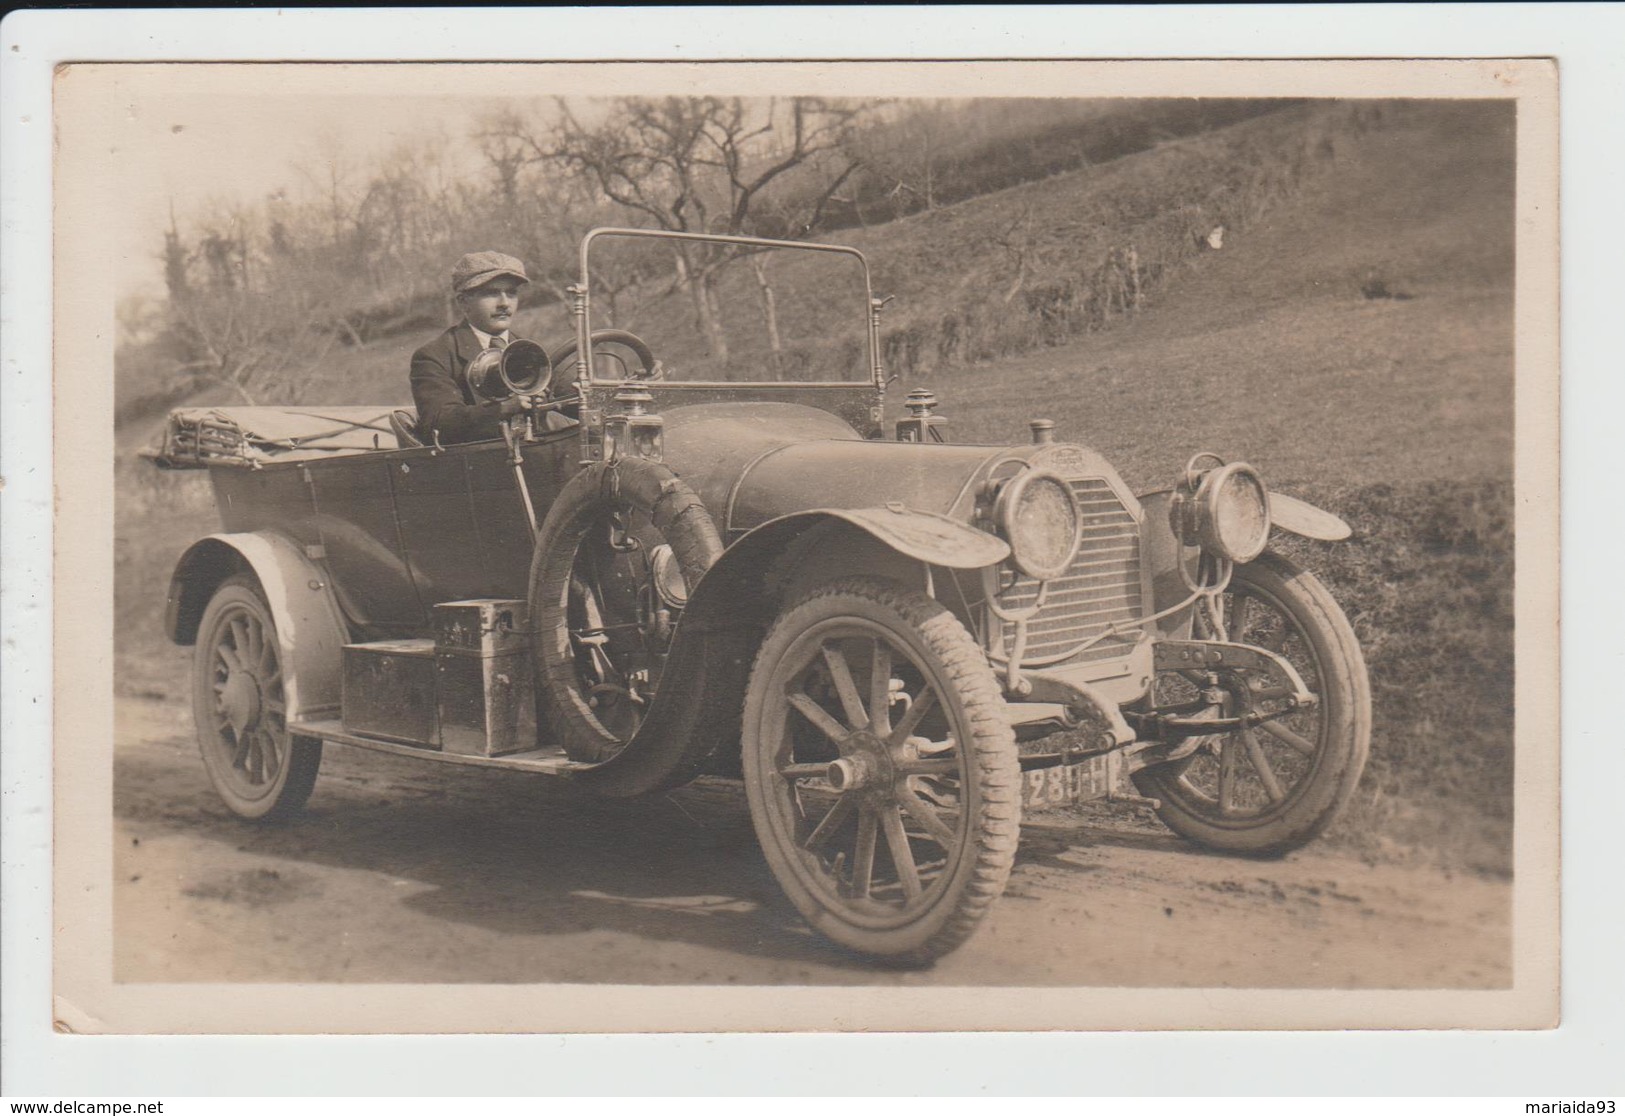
pixel 1270 788
pixel 257 768
pixel 880 769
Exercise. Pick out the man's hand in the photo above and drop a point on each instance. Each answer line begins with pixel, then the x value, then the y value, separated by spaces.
pixel 516 405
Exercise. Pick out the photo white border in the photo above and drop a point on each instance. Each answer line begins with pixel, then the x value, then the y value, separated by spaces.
pixel 1204 1063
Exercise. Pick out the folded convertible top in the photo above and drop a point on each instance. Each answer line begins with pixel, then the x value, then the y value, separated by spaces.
pixel 197 436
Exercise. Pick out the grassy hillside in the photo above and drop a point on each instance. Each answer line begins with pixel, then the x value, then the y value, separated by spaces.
pixel 1272 341
pixel 937 153
pixel 1351 336
pixel 1394 411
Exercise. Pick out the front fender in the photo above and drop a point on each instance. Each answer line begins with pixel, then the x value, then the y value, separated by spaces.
pixel 310 629
pixel 1299 517
pixel 1163 552
pixel 727 615
pixel 1302 518
pixel 926 536
pixel 735 589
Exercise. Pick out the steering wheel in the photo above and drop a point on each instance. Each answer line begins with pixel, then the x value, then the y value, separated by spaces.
pixel 613 337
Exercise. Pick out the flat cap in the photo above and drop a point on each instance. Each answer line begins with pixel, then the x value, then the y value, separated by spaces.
pixel 478 268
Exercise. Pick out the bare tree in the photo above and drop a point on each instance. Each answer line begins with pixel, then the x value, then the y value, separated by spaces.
pixel 770 309
pixel 251 343
pixel 259 293
pixel 705 164
pixel 905 154
pixel 245 311
pixel 331 175
pixel 507 157
pixel 1019 244
pixel 174 257
pixel 259 347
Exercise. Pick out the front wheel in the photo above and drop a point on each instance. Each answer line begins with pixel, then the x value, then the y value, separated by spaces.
pixel 259 770
pixel 880 770
pixel 1271 788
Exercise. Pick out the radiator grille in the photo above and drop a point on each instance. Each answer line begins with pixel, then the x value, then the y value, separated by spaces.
pixel 1100 588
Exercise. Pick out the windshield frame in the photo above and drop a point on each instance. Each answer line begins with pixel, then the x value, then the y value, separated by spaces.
pixel 581 310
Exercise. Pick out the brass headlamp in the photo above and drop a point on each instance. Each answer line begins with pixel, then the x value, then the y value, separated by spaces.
pixel 1037 513
pixel 1224 509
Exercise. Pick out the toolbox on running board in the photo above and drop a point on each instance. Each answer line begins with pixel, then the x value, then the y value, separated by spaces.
pixel 389 691
pixel 486 696
pixel 467 691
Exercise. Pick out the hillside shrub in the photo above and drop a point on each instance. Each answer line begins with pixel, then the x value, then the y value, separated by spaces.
pixel 1093 246
pixel 1427 582
pixel 984 146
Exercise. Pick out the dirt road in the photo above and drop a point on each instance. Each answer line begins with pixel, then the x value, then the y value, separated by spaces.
pixel 406 871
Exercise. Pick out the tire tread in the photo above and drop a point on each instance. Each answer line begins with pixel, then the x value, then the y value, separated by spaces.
pixel 304 753
pixel 1322 804
pixel 993 743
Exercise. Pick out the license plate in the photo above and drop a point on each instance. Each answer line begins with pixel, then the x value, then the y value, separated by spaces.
pixel 1070 782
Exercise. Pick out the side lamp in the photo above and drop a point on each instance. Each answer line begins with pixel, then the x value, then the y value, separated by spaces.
pixel 633 431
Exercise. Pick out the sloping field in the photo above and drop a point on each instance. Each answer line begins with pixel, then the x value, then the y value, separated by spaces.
pixel 1271 345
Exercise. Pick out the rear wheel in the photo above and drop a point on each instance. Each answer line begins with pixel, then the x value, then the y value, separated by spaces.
pixel 259 770
pixel 1272 787
pixel 880 770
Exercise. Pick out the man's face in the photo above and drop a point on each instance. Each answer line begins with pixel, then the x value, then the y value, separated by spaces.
pixel 490 306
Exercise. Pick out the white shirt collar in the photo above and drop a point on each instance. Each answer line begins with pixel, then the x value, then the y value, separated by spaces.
pixel 485 338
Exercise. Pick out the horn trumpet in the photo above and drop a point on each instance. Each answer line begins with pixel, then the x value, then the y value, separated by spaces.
pixel 522 368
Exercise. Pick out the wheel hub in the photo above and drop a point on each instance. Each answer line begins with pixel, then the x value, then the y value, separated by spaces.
pixel 241 700
pixel 865 765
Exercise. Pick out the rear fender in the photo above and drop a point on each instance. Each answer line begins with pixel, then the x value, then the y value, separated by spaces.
pixel 310 629
pixel 731 608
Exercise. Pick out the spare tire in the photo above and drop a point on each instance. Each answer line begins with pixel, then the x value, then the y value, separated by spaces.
pixel 592 713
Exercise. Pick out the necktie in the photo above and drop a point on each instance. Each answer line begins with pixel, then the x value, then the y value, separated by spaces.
pixel 498 344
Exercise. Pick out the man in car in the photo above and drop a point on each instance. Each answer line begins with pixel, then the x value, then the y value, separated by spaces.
pixel 486 286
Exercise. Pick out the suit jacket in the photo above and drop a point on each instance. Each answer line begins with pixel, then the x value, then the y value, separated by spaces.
pixel 440 389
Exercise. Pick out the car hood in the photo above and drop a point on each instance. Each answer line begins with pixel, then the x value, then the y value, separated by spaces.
pixel 753 462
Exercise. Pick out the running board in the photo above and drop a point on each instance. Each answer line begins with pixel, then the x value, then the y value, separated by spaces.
pixel 546 761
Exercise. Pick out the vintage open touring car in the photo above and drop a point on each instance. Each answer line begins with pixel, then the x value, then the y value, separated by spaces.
pixel 715 559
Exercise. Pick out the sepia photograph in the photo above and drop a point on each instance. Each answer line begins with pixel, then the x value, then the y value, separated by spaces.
pixel 813 546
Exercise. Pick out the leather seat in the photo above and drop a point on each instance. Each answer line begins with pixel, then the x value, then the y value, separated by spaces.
pixel 404 425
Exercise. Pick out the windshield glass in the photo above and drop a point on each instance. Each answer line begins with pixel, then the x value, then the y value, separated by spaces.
pixel 714 311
